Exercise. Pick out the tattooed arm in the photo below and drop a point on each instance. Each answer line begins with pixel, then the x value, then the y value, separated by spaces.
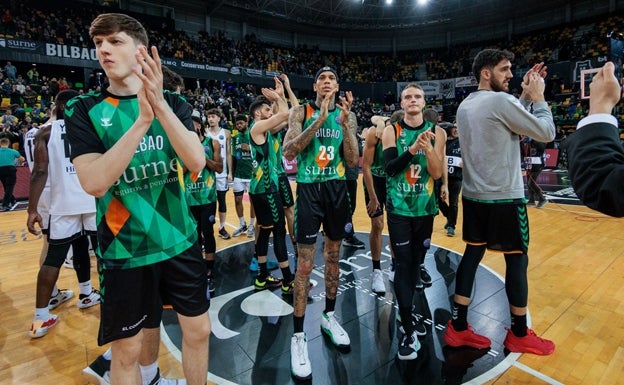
pixel 348 121
pixel 296 139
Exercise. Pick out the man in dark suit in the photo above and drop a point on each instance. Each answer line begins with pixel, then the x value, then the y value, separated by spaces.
pixel 595 152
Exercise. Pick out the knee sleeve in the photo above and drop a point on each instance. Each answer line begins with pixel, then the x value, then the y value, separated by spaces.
pixel 82 262
pixel 516 283
pixel 262 243
pixel 210 245
pixel 467 269
pixel 94 241
pixel 56 255
pixel 221 201
pixel 279 243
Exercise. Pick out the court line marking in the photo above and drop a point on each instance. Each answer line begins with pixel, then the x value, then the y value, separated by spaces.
pixel 499 369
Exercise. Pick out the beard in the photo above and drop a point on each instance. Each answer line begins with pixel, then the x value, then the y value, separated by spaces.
pixel 498 86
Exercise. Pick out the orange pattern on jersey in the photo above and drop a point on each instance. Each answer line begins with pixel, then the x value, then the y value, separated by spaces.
pixel 116 216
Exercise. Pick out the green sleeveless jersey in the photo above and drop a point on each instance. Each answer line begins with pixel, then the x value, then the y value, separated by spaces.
pixel 144 217
pixel 321 160
pixel 410 192
pixel 241 158
pixel 201 188
pixel 377 168
pixel 263 177
pixel 277 147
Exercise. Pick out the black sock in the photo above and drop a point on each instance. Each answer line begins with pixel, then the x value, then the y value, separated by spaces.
pixel 263 269
pixel 406 319
pixel 519 325
pixel 298 324
pixel 288 276
pixel 459 317
pixel 377 265
pixel 330 304
pixel 210 264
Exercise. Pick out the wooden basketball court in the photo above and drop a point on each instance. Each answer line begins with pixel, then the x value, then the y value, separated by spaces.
pixel 576 298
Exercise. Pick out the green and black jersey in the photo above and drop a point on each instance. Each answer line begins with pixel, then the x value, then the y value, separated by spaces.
pixel 321 160
pixel 410 192
pixel 144 217
pixel 201 188
pixel 277 139
pixel 378 168
pixel 264 176
pixel 241 159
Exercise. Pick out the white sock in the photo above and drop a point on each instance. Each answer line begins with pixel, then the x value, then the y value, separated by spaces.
pixel 85 287
pixel 42 313
pixel 55 291
pixel 251 221
pixel 107 354
pixel 148 372
pixel 241 220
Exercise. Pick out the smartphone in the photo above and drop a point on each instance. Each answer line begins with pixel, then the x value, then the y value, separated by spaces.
pixel 615 55
pixel 616 52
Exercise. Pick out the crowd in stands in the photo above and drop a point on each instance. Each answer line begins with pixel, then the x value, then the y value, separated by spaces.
pixel 69 25
pixel 29 94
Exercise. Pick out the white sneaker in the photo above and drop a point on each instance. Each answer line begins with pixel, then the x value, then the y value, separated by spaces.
pixel 300 367
pixel 39 328
pixel 86 301
pixel 250 231
pixel 60 297
pixel 69 262
pixel 240 230
pixel 378 285
pixel 331 327
pixel 158 380
pixel 391 276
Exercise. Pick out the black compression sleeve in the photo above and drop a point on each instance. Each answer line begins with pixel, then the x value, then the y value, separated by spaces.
pixel 394 163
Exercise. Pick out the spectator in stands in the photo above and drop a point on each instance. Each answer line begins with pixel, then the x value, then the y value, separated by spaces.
pixel 33 75
pixel 15 95
pixel 63 85
pixel 595 151
pixel 46 97
pixel 30 96
pixel 10 71
pixel 54 86
pixel 8 119
pixel 21 87
pixel 6 88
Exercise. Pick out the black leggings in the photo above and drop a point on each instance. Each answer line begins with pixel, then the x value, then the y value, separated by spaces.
pixel 8 179
pixel 516 283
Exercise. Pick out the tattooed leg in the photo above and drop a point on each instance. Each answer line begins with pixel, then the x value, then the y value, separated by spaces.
pixel 302 278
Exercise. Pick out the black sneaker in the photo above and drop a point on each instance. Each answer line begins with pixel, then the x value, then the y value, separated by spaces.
pixel 408 347
pixel 224 234
pixel 98 371
pixel 352 241
pixel 211 287
pixel 424 276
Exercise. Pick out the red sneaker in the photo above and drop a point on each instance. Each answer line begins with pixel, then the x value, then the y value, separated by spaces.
pixel 530 343
pixel 466 337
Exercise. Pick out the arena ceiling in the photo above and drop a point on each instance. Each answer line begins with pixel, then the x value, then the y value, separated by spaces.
pixel 376 14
